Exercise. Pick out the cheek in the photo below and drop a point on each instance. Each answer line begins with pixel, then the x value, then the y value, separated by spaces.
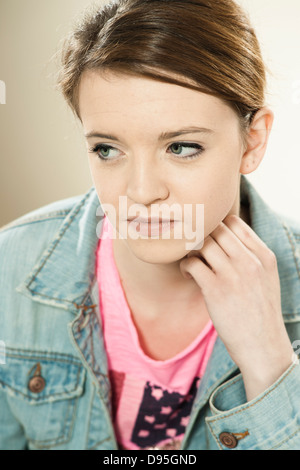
pixel 106 185
pixel 95 174
pixel 215 210
pixel 219 205
pixel 114 206
pixel 218 193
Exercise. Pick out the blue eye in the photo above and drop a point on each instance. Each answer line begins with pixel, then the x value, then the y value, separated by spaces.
pixel 103 148
pixel 181 145
pixel 103 151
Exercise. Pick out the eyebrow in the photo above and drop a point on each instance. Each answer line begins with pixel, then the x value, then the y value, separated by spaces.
pixel 163 136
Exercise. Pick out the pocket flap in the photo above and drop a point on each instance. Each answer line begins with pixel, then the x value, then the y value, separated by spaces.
pixel 41 376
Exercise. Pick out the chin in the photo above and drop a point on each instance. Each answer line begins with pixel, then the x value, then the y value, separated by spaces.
pixel 158 251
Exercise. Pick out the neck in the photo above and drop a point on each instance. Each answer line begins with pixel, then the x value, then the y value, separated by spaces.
pixel 151 281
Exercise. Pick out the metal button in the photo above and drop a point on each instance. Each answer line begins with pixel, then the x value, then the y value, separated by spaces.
pixel 36 384
pixel 228 440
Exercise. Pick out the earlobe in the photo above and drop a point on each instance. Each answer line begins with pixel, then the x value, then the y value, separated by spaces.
pixel 257 140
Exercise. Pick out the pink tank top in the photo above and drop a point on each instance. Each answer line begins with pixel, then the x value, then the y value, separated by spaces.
pixel 151 399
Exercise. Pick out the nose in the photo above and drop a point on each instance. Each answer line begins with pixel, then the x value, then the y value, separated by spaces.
pixel 146 180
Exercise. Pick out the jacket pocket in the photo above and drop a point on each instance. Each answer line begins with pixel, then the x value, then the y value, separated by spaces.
pixel 43 389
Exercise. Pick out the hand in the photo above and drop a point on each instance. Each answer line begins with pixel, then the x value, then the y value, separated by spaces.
pixel 239 280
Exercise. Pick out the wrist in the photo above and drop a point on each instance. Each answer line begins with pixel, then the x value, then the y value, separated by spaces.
pixel 265 371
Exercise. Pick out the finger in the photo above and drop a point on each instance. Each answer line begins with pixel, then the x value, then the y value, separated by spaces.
pixel 229 241
pixel 214 255
pixel 201 273
pixel 250 239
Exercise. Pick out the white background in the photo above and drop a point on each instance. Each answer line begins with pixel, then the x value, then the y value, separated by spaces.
pixel 277 26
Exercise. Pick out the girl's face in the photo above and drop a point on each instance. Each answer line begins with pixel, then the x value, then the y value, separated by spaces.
pixel 194 169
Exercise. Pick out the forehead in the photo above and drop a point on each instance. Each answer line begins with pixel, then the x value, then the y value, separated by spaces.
pixel 122 96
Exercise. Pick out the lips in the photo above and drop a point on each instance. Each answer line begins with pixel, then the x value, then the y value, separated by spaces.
pixel 151 220
pixel 152 227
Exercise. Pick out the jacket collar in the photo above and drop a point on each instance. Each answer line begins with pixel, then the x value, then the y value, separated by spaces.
pixel 275 231
pixel 65 273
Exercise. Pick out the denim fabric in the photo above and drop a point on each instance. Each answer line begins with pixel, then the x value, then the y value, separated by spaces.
pixel 49 324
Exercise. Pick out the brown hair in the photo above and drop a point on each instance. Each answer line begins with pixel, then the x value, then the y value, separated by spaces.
pixel 209 42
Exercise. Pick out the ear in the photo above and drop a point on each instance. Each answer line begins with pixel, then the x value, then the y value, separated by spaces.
pixel 257 140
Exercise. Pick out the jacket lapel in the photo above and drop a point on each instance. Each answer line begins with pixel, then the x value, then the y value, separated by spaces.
pixel 65 274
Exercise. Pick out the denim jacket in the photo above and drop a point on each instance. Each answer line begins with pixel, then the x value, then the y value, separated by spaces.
pixel 54 385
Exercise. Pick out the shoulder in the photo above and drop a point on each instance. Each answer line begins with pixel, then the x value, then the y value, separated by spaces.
pixel 24 240
pixel 55 210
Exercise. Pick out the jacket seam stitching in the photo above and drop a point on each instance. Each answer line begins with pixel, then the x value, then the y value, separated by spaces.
pixel 229 384
pixel 224 387
pixel 44 356
pixel 41 399
pixel 13 225
pixel 293 248
pixel 214 435
pixel 64 437
pixel 89 421
pixel 287 439
pixel 48 296
pixel 56 298
pixel 99 442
